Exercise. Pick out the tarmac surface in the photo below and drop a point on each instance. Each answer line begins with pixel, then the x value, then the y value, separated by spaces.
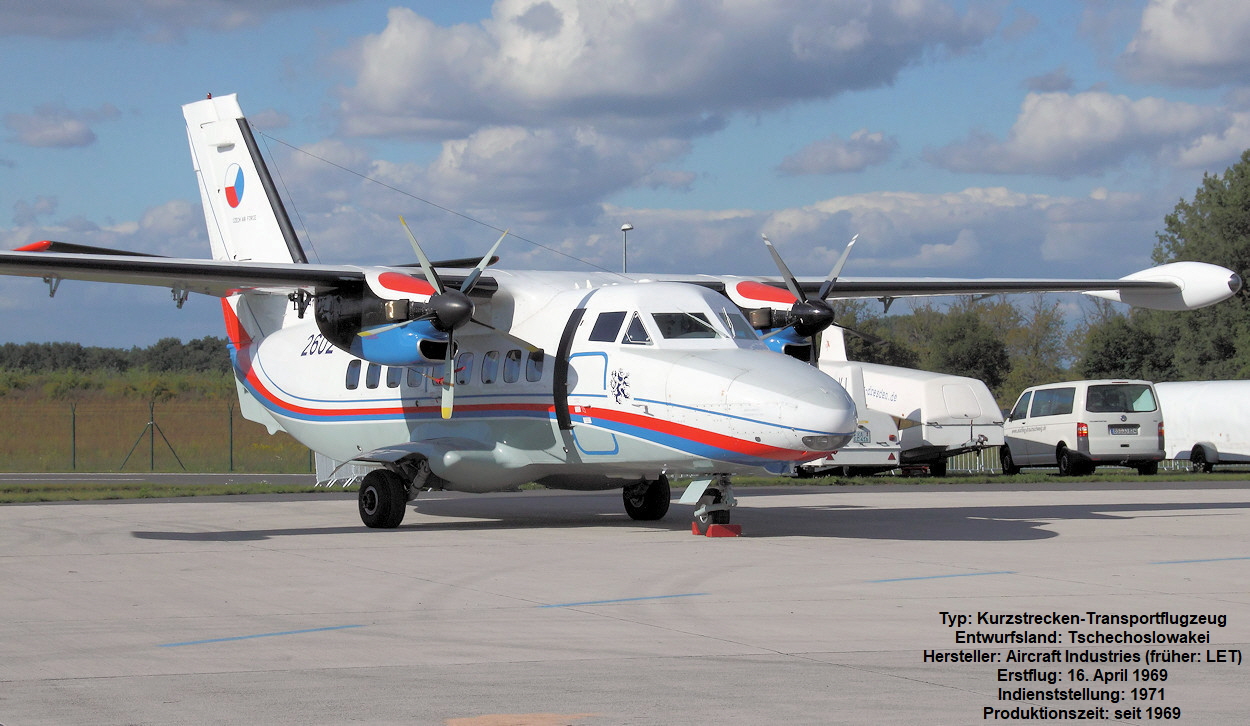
pixel 836 606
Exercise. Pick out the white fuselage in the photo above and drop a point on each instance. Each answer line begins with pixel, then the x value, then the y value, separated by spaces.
pixel 658 379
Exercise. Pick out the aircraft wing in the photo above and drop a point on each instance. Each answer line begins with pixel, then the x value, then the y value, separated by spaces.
pixel 56 261
pixel 1174 286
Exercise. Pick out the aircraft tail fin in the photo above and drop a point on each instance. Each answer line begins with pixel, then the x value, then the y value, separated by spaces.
pixel 245 216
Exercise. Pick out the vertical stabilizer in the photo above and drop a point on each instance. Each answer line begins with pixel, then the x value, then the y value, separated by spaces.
pixel 245 216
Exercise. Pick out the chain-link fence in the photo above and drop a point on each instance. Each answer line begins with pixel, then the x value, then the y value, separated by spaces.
pixel 199 436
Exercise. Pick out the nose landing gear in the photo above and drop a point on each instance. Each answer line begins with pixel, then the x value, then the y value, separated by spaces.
pixel 715 500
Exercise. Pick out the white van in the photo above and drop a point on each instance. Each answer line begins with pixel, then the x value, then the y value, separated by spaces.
pixel 1078 425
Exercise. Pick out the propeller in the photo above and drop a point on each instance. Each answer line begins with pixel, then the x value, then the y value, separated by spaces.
pixel 809 315
pixel 450 309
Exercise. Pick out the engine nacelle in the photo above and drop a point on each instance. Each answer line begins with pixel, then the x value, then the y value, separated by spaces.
pixel 1195 285
pixel 387 310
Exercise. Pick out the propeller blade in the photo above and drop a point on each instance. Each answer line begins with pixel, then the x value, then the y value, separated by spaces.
pixel 449 381
pixel 430 275
pixel 382 329
pixel 469 282
pixel 528 346
pixel 791 282
pixel 837 270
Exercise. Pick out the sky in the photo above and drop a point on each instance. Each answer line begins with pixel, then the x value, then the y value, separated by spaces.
pixel 956 138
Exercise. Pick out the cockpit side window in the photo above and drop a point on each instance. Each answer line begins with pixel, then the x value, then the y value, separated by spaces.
pixel 738 325
pixel 607 325
pixel 636 333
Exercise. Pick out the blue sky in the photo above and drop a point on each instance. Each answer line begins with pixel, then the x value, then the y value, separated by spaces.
pixel 957 138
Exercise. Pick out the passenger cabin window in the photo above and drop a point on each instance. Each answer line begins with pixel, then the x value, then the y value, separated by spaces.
pixel 607 326
pixel 415 378
pixel 464 369
pixel 534 366
pixel 394 376
pixel 636 333
pixel 1022 408
pixel 490 366
pixel 1053 401
pixel 373 375
pixel 353 375
pixel 512 366
pixel 684 326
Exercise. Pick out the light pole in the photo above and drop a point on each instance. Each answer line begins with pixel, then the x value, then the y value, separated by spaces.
pixel 625 246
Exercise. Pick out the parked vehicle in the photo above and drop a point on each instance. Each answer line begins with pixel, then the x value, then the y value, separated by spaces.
pixel 1208 422
pixel 876 446
pixel 931 416
pixel 1079 425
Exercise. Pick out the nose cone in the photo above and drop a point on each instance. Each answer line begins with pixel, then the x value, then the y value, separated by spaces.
pixel 784 405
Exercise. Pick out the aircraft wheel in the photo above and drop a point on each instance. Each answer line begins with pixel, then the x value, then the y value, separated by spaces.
pixel 718 516
pixel 1198 461
pixel 382 500
pixel 647 501
pixel 1007 462
pixel 1065 461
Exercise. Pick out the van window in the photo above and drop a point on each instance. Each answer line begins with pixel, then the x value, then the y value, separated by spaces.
pixel 1053 401
pixel 1120 398
pixel 607 325
pixel 1022 407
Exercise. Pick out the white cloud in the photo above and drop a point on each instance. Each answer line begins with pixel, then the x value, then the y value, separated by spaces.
pixel 636 66
pixel 1191 43
pixel 836 155
pixel 1085 134
pixel 55 126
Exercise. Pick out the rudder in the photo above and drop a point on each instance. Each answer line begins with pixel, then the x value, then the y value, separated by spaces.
pixel 245 217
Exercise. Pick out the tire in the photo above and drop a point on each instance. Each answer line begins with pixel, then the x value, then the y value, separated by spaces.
pixel 937 468
pixel 647 501
pixel 382 499
pixel 1066 462
pixel 1007 462
pixel 720 516
pixel 1150 468
pixel 1198 463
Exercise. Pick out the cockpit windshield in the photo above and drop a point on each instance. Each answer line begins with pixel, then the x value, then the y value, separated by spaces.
pixel 684 326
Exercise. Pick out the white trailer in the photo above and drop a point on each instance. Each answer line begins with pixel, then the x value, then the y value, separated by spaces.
pixel 936 416
pixel 876 446
pixel 1206 422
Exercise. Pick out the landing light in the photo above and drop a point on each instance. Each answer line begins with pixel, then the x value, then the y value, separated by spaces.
pixel 823 443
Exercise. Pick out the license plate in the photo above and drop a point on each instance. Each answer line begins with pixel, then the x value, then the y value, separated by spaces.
pixel 862 436
pixel 1124 430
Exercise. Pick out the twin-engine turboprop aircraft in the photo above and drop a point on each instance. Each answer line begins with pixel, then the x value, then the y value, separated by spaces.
pixel 485 380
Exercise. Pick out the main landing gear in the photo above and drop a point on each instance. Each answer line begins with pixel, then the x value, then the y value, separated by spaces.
pixel 384 494
pixel 647 501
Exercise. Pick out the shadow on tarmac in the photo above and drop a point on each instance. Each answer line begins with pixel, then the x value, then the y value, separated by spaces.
pixel 1002 523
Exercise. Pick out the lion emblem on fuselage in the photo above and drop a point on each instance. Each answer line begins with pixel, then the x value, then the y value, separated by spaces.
pixel 619 383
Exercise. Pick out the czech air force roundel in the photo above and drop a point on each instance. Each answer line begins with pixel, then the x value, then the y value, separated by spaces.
pixel 234 185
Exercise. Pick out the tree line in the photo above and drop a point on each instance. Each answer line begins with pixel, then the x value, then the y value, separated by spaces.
pixel 167 355
pixel 1013 346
